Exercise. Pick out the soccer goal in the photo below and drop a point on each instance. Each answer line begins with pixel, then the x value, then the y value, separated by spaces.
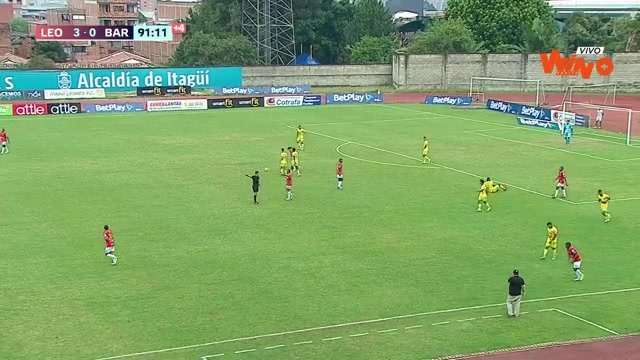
pixel 526 91
pixel 604 94
pixel 615 119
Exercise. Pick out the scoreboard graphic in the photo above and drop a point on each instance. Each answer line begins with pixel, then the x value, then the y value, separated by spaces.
pixel 109 33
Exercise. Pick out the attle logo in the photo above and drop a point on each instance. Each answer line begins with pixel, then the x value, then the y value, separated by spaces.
pixel 63 108
pixel 30 109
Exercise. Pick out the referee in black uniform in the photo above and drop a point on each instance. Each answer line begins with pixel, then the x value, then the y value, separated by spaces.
pixel 255 186
pixel 516 292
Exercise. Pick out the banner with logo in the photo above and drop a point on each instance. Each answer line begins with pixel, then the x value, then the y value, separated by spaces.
pixel 11 95
pixel 64 108
pixel 283 101
pixel 354 98
pixel 230 103
pixel 62 94
pixel 114 107
pixel 310 100
pixel 21 109
pixel 164 90
pixel 538 123
pixel 33 94
pixel 533 112
pixel 263 90
pixel 577 119
pixel 6 110
pixel 165 105
pixel 121 79
pixel 448 100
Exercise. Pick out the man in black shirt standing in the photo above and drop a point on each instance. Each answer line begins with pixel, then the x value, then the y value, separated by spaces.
pixel 516 292
pixel 255 179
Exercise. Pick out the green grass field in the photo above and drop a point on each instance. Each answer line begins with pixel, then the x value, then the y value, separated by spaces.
pixel 398 265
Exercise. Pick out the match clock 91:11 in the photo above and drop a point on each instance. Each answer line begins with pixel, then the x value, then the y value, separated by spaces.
pixel 152 33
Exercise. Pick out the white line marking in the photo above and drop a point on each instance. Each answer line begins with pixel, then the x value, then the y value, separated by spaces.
pixel 434 164
pixel 587 322
pixel 363 322
pixel 357 335
pixel 413 327
pixel 524 313
pixel 491 316
pixel 366 122
pixel 543 146
pixel 274 347
pixel 211 356
pixel 386 331
pixel 244 351
pixel 469 319
pixel 615 200
pixel 333 338
pixel 496 123
pixel 441 323
pixel 303 342
pixel 382 163
pixel 546 310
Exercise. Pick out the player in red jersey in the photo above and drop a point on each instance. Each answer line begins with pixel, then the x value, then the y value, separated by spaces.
pixel 4 142
pixel 561 183
pixel 289 184
pixel 575 260
pixel 339 173
pixel 110 249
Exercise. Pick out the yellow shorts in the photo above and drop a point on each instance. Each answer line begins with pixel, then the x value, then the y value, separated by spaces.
pixel 300 140
pixel 482 197
pixel 296 164
pixel 551 244
pixel 283 165
pixel 604 208
pixel 495 188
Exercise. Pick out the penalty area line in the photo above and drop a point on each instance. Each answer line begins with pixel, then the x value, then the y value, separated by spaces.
pixel 381 162
pixel 363 322
pixel 434 164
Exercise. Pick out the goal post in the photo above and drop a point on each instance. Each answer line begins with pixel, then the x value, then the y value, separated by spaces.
pixel 615 119
pixel 604 94
pixel 530 91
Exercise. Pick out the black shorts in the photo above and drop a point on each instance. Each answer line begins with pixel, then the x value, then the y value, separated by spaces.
pixel 255 189
pixel 340 178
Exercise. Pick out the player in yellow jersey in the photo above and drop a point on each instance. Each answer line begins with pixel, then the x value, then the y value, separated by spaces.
pixel 425 151
pixel 483 196
pixel 300 137
pixel 552 241
pixel 284 161
pixel 604 199
pixel 295 161
pixel 494 187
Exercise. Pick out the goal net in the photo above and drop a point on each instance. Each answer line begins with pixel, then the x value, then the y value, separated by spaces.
pixel 615 119
pixel 516 90
pixel 603 94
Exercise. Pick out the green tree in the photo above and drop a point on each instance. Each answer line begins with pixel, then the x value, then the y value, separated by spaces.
pixel 19 25
pixel 372 50
pixel 444 37
pixel 370 18
pixel 499 22
pixel 215 17
pixel 542 37
pixel 201 49
pixel 627 32
pixel 51 50
pixel 39 62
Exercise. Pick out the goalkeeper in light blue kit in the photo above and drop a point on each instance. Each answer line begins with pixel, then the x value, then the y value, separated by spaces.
pixel 567 132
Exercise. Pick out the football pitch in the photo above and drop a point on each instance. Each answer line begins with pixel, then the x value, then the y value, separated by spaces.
pixel 398 265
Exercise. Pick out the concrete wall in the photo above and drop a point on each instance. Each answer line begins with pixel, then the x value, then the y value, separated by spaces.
pixel 318 75
pixel 453 72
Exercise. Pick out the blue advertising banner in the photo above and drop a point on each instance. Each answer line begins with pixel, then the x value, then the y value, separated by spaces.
pixel 448 100
pixel 538 123
pixel 11 95
pixel 33 94
pixel 533 112
pixel 263 90
pixel 114 107
pixel 120 79
pixel 311 100
pixel 354 98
